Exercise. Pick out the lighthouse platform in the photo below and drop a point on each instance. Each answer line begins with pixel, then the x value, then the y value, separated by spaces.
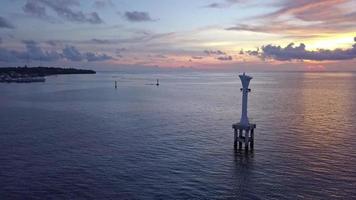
pixel 244 134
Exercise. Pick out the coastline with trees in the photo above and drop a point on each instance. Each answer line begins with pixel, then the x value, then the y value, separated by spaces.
pixel 36 74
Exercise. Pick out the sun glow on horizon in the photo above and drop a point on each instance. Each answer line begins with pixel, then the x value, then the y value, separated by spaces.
pixel 340 41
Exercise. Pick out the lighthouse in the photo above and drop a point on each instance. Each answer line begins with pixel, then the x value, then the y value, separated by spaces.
pixel 245 80
pixel 244 130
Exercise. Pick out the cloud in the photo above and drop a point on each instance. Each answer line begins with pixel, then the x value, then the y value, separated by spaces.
pixel 103 3
pixel 34 8
pixel 197 57
pixel 213 52
pixel 0 40
pixel 303 18
pixel 161 56
pixel 63 9
pixel 35 53
pixel 224 58
pixel 7 56
pixel 94 57
pixel 52 42
pixel 313 10
pixel 245 27
pixel 102 41
pixel 292 52
pixel 72 53
pixel 5 24
pixel 224 4
pixel 136 16
pixel 32 52
pixel 253 52
pixel 119 52
pixel 218 54
pixel 215 5
pixel 143 38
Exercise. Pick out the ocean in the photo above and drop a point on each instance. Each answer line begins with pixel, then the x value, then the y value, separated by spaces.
pixel 77 137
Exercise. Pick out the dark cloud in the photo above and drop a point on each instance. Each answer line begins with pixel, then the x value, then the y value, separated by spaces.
pixel 292 52
pixel 0 40
pixel 34 52
pixel 29 42
pixel 63 9
pixel 119 51
pixel 10 36
pixel 215 5
pixel 245 27
pixel 160 56
pixel 157 56
pixel 103 3
pixel 52 42
pixel 218 54
pixel 102 41
pixel 94 57
pixel 144 38
pixel 253 52
pixel 224 4
pixel 213 52
pixel 197 57
pixel 224 58
pixel 7 55
pixel 5 23
pixel 71 53
pixel 136 16
pixel 93 18
pixel 34 8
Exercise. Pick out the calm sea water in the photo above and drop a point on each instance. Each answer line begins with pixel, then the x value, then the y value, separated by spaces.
pixel 76 137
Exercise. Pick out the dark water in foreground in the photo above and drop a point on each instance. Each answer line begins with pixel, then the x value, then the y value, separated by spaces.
pixel 76 137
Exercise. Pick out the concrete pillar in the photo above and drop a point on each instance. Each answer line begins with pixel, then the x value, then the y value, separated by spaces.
pixel 235 138
pixel 246 138
pixel 240 136
pixel 252 139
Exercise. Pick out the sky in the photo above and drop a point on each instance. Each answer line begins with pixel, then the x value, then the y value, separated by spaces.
pixel 249 35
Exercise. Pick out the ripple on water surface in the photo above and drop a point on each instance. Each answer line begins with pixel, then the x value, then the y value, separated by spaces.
pixel 77 137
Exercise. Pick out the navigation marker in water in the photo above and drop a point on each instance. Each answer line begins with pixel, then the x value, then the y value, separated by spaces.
pixel 244 130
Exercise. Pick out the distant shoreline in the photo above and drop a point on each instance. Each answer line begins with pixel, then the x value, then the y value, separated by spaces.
pixel 43 71
pixel 36 74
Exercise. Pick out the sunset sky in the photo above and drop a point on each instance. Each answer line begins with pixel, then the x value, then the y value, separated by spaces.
pixel 202 34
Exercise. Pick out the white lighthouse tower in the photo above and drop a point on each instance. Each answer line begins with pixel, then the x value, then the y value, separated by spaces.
pixel 244 130
pixel 245 80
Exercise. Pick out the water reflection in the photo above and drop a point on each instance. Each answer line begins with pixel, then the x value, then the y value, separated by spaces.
pixel 243 158
pixel 325 106
pixel 176 141
pixel 242 173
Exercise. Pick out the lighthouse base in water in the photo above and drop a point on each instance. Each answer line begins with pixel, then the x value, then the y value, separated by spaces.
pixel 244 134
